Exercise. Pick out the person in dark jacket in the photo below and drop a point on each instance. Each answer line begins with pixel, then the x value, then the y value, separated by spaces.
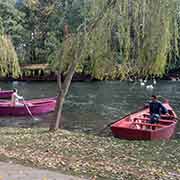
pixel 156 109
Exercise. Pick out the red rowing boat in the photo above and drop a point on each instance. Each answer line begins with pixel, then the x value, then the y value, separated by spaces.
pixel 5 94
pixel 136 126
pixel 36 107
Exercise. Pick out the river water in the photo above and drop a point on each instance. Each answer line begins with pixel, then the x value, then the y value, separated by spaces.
pixel 91 105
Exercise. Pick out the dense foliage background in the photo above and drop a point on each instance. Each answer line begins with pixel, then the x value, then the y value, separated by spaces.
pixel 135 37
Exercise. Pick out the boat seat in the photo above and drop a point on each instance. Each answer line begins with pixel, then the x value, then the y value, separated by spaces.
pixel 148 125
pixel 145 115
pixel 142 119
pixel 161 120
pixel 166 121
pixel 165 117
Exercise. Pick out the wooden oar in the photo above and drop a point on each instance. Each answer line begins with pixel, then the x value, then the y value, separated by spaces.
pixel 30 113
pixel 108 125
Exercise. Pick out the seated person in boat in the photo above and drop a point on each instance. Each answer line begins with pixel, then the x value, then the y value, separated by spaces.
pixel 15 99
pixel 156 109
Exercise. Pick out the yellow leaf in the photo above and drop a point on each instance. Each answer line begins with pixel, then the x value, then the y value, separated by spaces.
pixel 45 178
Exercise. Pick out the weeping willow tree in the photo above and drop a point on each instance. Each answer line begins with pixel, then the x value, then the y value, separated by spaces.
pixel 134 37
pixel 8 58
pixel 119 38
pixel 31 3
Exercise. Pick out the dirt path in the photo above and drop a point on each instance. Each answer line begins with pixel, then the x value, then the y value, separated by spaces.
pixel 9 171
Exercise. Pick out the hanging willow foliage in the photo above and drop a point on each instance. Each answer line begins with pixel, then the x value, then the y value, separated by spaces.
pixel 8 57
pixel 134 37
pixel 31 3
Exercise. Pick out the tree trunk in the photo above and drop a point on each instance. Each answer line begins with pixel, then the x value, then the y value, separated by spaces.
pixel 56 122
pixel 57 119
pixel 64 88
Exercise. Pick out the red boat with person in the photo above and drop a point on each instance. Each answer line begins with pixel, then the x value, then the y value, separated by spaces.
pixel 5 94
pixel 35 107
pixel 136 126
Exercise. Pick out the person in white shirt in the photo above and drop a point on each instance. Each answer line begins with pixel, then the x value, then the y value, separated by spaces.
pixel 15 99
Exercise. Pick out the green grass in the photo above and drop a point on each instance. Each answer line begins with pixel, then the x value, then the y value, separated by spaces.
pixel 91 156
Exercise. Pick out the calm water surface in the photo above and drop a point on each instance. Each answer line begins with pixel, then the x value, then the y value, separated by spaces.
pixel 91 105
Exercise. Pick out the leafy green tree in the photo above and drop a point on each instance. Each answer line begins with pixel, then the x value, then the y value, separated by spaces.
pixel 12 20
pixel 8 58
pixel 70 55
pixel 44 24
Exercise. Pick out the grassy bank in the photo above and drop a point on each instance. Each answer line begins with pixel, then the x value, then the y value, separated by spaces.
pixel 91 156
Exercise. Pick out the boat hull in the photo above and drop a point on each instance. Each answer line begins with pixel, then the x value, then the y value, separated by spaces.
pixel 36 107
pixel 135 134
pixel 136 127
pixel 5 94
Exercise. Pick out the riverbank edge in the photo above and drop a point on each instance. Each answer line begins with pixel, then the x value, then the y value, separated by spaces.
pixel 90 156
pixel 80 77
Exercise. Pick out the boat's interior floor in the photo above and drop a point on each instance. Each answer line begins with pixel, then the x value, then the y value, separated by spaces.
pixel 142 122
